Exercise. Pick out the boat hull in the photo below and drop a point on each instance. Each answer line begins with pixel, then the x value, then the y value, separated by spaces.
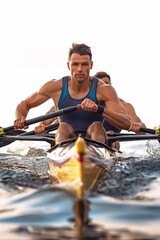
pixel 79 164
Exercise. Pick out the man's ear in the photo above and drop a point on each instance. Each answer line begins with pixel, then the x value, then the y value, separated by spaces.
pixel 68 65
pixel 91 65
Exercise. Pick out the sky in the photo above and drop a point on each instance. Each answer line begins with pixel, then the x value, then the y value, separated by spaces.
pixel 124 36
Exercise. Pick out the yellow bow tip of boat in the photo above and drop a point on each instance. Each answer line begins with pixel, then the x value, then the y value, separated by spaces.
pixel 79 164
pixel 80 145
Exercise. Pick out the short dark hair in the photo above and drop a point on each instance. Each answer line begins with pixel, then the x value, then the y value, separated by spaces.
pixel 81 49
pixel 102 75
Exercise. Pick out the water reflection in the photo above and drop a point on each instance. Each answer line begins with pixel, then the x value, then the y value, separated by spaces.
pixel 55 213
pixel 125 206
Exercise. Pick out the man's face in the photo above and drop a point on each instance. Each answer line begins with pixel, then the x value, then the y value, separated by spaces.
pixel 80 66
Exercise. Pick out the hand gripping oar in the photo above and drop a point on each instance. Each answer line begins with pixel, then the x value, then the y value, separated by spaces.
pixel 8 139
pixel 11 131
pixel 40 118
pixel 48 128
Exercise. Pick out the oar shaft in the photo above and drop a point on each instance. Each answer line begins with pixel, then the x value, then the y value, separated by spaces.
pixel 136 137
pixel 148 130
pixel 52 127
pixel 29 138
pixel 44 117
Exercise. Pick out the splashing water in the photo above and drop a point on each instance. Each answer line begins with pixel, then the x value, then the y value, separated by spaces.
pixel 125 206
pixel 153 148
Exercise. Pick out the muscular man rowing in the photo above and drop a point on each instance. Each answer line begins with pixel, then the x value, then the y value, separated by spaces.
pixel 96 100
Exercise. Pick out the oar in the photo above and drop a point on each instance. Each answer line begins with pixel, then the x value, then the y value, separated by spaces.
pixel 145 130
pixel 119 134
pixel 28 138
pixel 10 130
pixel 134 137
pixel 151 131
pixel 50 140
pixel 6 139
pixel 40 118
pixel 48 128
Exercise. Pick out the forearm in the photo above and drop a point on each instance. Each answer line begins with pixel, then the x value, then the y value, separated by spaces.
pixel 49 121
pixel 21 110
pixel 119 120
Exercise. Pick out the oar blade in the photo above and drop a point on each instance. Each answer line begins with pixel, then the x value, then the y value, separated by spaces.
pixel 4 142
pixel 15 132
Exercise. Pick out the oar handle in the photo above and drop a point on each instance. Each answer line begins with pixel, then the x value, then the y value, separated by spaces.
pixel 45 117
pixel 51 127
pixel 151 131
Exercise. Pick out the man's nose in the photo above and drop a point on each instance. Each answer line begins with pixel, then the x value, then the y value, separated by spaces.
pixel 80 67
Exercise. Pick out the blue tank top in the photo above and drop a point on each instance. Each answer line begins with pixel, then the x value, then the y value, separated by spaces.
pixel 80 120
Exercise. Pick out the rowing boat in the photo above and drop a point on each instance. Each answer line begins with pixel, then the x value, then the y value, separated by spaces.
pixel 79 163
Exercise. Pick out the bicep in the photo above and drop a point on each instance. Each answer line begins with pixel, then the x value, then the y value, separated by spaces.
pixel 35 100
pixel 42 95
pixel 112 100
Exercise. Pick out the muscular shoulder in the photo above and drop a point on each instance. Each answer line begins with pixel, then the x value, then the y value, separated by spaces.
pixel 51 87
pixel 105 91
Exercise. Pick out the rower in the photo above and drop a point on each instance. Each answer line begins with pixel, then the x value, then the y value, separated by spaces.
pixel 105 77
pixel 96 99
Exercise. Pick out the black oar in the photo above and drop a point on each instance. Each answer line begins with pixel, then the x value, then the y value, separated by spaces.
pixel 28 138
pixel 151 131
pixel 134 137
pixel 145 130
pixel 6 141
pixel 50 140
pixel 48 128
pixel 40 118
pixel 11 131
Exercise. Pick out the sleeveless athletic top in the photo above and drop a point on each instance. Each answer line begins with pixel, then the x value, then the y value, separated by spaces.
pixel 80 119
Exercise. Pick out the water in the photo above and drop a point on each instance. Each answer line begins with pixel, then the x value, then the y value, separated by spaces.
pixel 125 206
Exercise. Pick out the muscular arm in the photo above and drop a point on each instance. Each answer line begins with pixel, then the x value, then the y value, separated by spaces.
pixel 32 101
pixel 114 112
pixel 132 113
pixel 49 90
